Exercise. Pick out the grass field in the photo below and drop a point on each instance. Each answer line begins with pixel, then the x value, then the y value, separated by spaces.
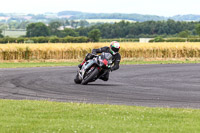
pixel 54 117
pixel 37 64
pixel 14 33
pixel 107 20
pixel 75 63
pixel 79 50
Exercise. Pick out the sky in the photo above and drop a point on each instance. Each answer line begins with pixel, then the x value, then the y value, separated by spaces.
pixel 149 7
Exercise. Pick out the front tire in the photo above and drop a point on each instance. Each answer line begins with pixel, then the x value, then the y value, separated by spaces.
pixel 90 77
pixel 77 80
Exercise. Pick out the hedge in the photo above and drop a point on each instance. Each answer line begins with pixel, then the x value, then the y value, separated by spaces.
pixel 67 39
pixel 120 40
pixel 83 39
pixel 175 40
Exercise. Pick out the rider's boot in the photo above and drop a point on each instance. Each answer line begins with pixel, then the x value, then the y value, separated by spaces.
pixel 105 76
pixel 80 65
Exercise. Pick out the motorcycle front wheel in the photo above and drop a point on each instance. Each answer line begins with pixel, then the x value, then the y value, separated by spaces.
pixel 76 79
pixel 90 76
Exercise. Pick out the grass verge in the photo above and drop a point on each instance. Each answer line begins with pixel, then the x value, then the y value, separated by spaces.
pixel 36 64
pixel 159 62
pixel 75 63
pixel 44 116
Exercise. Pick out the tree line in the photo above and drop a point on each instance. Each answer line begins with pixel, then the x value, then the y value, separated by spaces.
pixel 40 29
pixel 22 24
pixel 122 29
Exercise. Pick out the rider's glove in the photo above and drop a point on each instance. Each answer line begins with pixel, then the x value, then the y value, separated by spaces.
pixel 89 56
pixel 94 53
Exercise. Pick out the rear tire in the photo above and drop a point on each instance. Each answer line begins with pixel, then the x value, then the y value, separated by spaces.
pixel 90 77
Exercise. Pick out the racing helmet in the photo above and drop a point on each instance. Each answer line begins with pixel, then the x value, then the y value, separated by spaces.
pixel 114 47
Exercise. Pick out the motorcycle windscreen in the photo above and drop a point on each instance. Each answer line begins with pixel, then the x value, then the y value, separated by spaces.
pixel 107 56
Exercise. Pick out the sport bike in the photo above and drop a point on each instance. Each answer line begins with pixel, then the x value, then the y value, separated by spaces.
pixel 94 69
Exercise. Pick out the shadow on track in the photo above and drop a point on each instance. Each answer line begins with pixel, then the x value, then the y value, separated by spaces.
pixel 102 85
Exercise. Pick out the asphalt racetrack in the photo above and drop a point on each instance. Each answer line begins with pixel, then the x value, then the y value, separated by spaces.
pixel 169 85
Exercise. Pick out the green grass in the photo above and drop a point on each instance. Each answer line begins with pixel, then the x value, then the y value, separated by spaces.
pixel 158 62
pixel 38 64
pixel 14 33
pixel 54 117
pixel 51 64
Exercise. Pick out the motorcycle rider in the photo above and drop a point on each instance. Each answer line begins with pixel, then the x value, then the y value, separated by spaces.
pixel 116 58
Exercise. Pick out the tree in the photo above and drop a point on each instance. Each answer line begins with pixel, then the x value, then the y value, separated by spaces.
pixel 1 34
pixel 53 26
pixel 198 29
pixel 94 35
pixel 23 25
pixel 184 34
pixel 159 39
pixel 3 26
pixel 82 31
pixel 67 22
pixel 37 29
pixel 83 23
pixel 74 24
pixel 68 32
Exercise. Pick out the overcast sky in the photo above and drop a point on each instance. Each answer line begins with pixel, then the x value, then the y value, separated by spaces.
pixel 153 7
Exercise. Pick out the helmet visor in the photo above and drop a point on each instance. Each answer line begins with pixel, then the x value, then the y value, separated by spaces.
pixel 115 49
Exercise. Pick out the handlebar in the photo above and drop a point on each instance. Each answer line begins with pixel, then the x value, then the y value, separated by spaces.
pixel 94 55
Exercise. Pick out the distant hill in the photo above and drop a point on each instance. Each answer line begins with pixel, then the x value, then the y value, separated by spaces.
pixel 74 15
pixel 134 17
pixel 65 13
pixel 189 17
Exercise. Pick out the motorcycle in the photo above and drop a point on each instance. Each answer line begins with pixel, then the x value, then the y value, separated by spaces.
pixel 94 69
